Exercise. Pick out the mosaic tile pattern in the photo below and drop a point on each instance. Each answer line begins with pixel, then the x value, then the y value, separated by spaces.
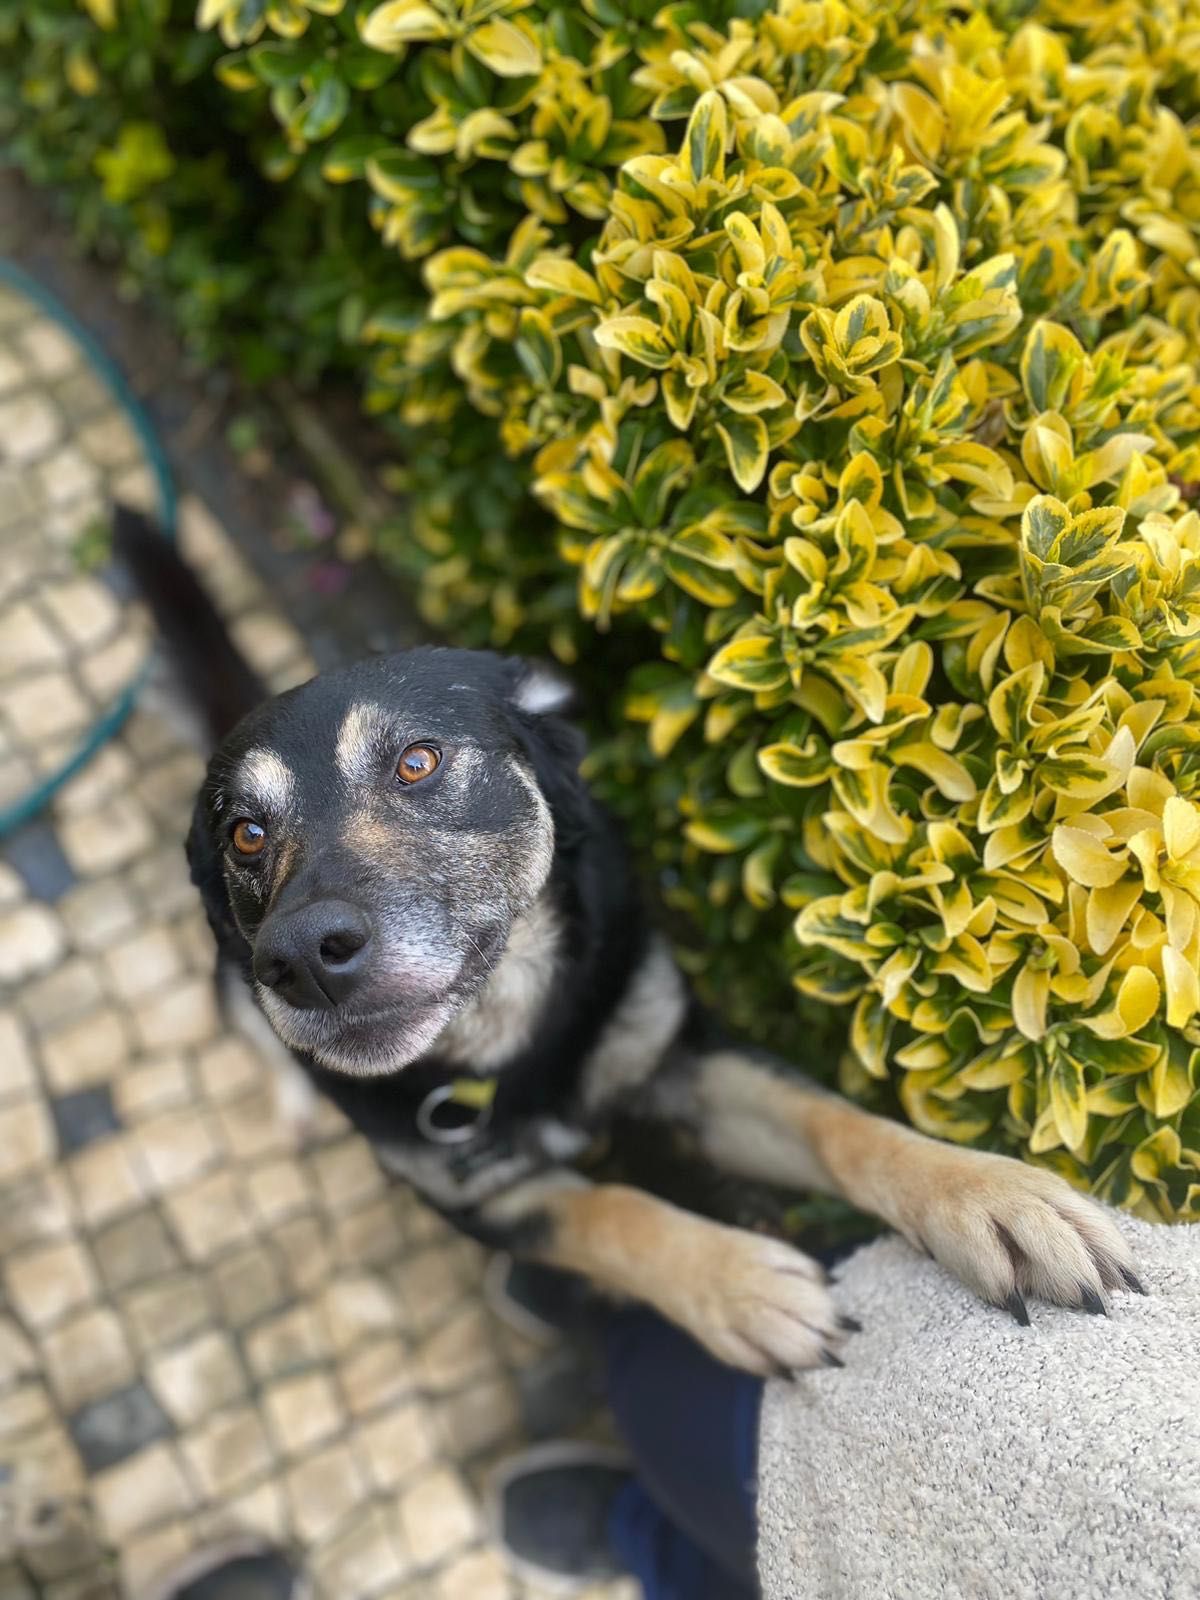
pixel 206 1326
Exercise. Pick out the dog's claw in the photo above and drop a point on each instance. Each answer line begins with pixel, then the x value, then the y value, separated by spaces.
pixel 1091 1302
pixel 830 1360
pixel 849 1324
pixel 1015 1305
pixel 1132 1281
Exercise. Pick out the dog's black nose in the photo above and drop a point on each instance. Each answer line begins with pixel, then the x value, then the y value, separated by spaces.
pixel 313 958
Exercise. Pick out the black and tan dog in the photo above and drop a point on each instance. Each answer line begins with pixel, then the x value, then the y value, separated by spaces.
pixel 401 862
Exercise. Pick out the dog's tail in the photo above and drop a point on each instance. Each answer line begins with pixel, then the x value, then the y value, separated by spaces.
pixel 218 683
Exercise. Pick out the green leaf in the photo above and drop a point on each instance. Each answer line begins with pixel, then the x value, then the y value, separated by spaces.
pixel 747 446
pixel 704 141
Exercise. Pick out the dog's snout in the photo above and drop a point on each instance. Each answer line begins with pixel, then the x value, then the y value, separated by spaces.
pixel 313 958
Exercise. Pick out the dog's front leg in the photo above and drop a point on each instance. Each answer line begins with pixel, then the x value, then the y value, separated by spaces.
pixel 1005 1228
pixel 754 1302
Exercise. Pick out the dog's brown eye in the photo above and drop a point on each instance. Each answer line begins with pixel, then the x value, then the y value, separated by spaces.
pixel 417 762
pixel 248 837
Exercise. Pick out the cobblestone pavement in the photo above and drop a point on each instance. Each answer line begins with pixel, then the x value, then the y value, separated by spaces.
pixel 203 1327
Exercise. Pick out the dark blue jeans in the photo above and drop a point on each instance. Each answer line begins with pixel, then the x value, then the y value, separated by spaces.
pixel 685 1525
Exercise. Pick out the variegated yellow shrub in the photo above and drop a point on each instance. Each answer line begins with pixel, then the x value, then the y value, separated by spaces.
pixel 849 351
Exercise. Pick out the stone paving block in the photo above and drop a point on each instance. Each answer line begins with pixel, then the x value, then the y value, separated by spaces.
pixel 110 439
pixel 21 1410
pixel 47 349
pixel 94 913
pixel 33 851
pixel 31 941
pixel 110 771
pixel 278 1190
pixel 193 1379
pixel 323 1489
pixel 358 1306
pixel 376 1376
pixel 303 1247
pixel 16 1059
pixel 148 1488
pixel 45 705
pixel 26 1138
pixel 37 1210
pixel 202 539
pixel 87 1357
pixel 112 835
pixel 247 1286
pixel 479 1417
pixel 251 1125
pixel 227 1065
pixel 108 672
pixel 29 426
pixel 438 1515
pixel 480 1575
pixel 134 1249
pixel 142 962
pixel 67 476
pixel 146 1088
pixel 146 1559
pixel 169 1309
pixel 460 1351
pixel 27 640
pixel 184 1013
pixel 85 1052
pixel 228 1452
pixel 210 1216
pixel 177 1146
pixel 291 1342
pixel 81 395
pixel 83 1117
pixel 347 1173
pixel 46 1282
pixel 398 1444
pixel 370 1235
pixel 84 610
pixel 74 986
pixel 107 1181
pixel 301 1412
pixel 160 878
pixel 17 1357
pixel 363 1560
pixel 115 1427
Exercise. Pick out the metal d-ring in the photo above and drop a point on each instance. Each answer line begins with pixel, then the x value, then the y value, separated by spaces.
pixel 437 1132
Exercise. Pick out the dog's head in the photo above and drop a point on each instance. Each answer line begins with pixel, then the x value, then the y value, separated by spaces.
pixel 375 835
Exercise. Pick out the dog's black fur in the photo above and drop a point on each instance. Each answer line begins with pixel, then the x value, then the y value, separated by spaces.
pixel 505 942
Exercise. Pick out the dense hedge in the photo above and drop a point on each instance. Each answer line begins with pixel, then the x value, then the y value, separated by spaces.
pixel 839 358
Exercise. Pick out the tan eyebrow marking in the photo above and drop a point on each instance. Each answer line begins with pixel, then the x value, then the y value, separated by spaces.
pixel 268 778
pixel 356 752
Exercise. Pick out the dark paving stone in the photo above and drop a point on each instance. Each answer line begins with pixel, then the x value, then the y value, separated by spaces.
pixel 108 1431
pixel 83 1117
pixel 264 1577
pixel 36 856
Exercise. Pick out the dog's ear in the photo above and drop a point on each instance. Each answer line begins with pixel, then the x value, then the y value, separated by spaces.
pixel 541 696
pixel 204 860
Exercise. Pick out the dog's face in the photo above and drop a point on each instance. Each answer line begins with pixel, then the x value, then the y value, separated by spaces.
pixel 374 835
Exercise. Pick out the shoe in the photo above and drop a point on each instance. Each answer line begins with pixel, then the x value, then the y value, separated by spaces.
pixel 238 1569
pixel 540 1302
pixel 549 1508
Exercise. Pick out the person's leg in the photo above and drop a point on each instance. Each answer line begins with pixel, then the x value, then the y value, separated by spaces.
pixel 685 1524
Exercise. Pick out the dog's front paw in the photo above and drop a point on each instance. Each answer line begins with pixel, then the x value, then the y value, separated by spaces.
pixel 1009 1230
pixel 764 1307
